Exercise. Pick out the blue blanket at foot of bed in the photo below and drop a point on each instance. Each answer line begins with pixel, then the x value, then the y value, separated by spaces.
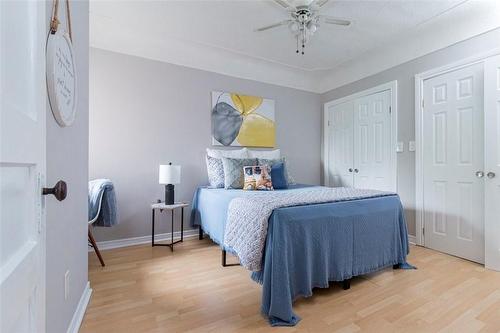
pixel 309 246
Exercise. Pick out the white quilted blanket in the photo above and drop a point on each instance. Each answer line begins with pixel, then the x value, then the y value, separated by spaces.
pixel 247 218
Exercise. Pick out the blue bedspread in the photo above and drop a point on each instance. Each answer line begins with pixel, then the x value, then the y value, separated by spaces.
pixel 308 246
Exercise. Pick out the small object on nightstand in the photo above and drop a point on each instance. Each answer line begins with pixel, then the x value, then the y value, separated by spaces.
pixel 161 206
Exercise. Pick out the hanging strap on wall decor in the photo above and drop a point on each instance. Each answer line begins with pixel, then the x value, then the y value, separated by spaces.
pixel 54 22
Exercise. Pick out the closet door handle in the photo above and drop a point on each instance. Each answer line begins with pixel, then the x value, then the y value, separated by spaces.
pixel 490 175
pixel 350 169
pixel 356 170
pixel 479 174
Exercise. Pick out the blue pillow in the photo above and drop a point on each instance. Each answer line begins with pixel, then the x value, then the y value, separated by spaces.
pixel 278 175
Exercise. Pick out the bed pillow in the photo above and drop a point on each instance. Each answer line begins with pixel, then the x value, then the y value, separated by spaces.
pixel 278 176
pixel 272 162
pixel 267 154
pixel 233 171
pixel 215 171
pixel 258 177
pixel 233 153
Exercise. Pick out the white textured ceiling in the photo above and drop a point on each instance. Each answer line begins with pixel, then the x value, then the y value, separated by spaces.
pixel 225 29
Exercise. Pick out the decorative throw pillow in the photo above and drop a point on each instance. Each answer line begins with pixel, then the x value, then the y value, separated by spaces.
pixel 267 154
pixel 283 160
pixel 215 171
pixel 230 153
pixel 258 177
pixel 233 171
pixel 278 176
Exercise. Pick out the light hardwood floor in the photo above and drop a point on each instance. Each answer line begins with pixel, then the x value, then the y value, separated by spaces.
pixel 144 289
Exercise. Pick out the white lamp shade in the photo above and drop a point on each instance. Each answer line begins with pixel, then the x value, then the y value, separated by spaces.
pixel 170 174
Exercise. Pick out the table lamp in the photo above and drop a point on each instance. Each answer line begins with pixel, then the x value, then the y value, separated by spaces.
pixel 169 176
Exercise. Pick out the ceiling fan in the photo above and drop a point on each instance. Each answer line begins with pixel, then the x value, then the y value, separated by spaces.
pixel 305 19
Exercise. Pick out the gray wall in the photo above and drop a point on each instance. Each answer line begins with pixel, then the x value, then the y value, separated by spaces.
pixel 405 75
pixel 67 159
pixel 144 113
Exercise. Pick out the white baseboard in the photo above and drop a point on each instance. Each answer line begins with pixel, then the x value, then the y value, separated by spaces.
pixel 76 321
pixel 412 239
pixel 116 243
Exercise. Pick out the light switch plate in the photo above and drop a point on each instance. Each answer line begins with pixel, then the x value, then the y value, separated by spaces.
pixel 411 146
pixel 400 147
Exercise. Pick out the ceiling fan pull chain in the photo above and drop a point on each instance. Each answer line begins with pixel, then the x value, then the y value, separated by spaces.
pixel 303 39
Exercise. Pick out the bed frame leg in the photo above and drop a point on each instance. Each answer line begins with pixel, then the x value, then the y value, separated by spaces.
pixel 224 264
pixel 200 232
pixel 346 284
pixel 224 260
pixel 395 266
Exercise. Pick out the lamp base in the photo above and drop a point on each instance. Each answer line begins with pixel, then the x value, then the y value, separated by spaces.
pixel 169 194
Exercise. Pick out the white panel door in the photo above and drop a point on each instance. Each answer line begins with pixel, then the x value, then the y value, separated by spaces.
pixel 453 159
pixel 492 170
pixel 372 142
pixel 340 156
pixel 22 165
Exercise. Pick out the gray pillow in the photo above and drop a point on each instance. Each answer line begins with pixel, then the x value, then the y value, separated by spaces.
pixel 271 162
pixel 215 172
pixel 233 171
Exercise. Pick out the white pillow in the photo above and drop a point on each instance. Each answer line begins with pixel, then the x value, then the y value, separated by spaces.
pixel 264 154
pixel 233 153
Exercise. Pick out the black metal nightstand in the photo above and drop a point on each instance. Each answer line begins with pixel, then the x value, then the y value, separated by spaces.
pixel 161 207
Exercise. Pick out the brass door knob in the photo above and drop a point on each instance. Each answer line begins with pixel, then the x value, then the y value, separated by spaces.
pixel 60 190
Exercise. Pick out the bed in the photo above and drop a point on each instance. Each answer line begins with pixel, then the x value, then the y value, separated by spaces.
pixel 308 246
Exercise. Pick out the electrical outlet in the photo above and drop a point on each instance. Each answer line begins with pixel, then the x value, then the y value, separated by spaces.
pixel 66 285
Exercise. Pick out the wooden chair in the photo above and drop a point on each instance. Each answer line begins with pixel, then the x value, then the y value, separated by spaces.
pixel 91 237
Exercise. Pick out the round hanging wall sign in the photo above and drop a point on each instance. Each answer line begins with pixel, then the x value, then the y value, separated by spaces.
pixel 61 77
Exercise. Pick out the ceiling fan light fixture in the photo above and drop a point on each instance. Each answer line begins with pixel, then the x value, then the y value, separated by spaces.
pixel 304 20
pixel 294 27
pixel 312 27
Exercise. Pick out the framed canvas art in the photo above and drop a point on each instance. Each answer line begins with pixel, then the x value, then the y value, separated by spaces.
pixel 242 120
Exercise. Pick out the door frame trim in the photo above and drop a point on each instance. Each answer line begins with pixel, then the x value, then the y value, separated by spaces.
pixel 392 86
pixel 419 85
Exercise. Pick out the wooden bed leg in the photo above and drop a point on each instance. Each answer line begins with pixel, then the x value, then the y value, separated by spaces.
pixel 346 284
pixel 395 266
pixel 200 233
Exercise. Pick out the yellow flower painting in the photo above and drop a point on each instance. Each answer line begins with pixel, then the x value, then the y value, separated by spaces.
pixel 242 120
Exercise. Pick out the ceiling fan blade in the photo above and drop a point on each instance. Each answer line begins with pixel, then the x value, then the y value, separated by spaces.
pixel 335 20
pixel 284 4
pixel 319 3
pixel 275 25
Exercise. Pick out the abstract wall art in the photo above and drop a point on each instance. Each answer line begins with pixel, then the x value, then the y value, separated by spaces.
pixel 241 120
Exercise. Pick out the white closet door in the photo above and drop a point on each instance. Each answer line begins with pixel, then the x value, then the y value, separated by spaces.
pixel 372 142
pixel 492 149
pixel 340 157
pixel 453 154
